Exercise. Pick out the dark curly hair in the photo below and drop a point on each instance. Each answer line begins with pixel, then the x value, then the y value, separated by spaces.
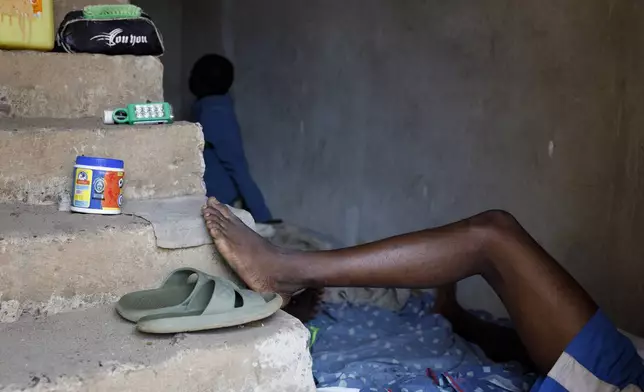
pixel 211 75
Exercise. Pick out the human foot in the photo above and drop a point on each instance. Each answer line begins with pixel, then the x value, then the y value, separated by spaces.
pixel 261 265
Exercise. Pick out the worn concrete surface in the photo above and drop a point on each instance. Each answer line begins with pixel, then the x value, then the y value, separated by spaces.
pixel 37 157
pixel 366 119
pixel 62 7
pixel 54 261
pixel 62 85
pixel 96 351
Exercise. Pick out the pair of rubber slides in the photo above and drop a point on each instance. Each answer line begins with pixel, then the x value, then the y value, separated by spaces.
pixel 191 300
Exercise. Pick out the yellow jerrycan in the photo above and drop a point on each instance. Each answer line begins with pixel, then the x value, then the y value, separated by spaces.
pixel 27 24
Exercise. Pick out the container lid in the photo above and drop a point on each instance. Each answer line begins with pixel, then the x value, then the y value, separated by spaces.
pixel 100 162
pixel 108 117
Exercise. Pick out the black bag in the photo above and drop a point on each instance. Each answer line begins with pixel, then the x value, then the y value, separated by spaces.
pixel 132 36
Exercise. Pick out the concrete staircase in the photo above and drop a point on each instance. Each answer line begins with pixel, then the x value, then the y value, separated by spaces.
pixel 60 272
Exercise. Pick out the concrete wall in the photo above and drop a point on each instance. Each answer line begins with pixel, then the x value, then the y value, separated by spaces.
pixel 369 118
pixel 202 32
pixel 167 14
pixel 624 261
pixel 189 32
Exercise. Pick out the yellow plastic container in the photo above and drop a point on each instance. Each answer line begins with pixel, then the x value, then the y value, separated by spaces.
pixel 27 24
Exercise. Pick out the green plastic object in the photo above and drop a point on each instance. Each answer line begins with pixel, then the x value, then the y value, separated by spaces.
pixel 111 11
pixel 141 113
pixel 178 288
pixel 314 335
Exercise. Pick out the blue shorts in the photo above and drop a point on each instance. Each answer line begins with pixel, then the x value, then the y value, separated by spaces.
pixel 599 359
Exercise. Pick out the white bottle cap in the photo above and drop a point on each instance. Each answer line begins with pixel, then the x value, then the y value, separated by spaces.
pixel 108 117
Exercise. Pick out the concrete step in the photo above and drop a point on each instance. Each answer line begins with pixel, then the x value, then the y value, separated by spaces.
pixel 53 262
pixel 94 350
pixel 59 85
pixel 37 157
pixel 62 7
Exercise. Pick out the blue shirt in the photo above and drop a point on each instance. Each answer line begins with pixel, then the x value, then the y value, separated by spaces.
pixel 227 175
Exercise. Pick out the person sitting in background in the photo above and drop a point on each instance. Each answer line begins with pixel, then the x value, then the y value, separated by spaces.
pixel 227 175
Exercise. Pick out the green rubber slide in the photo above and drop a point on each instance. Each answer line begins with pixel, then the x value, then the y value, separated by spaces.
pixel 173 295
pixel 190 300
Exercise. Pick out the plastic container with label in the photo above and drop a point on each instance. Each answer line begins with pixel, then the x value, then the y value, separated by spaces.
pixel 27 24
pixel 98 186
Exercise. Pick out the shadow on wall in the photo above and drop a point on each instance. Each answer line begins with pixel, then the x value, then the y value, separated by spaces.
pixel 188 32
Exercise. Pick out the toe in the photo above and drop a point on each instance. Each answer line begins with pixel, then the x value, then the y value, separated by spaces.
pixel 214 230
pixel 224 211
pixel 208 211
pixel 212 202
pixel 213 214
pixel 215 223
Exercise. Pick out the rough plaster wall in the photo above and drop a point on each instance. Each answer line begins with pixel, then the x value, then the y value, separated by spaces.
pixel 202 32
pixel 189 33
pixel 167 15
pixel 370 118
pixel 625 266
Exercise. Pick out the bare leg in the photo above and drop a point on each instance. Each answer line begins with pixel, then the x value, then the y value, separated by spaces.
pixel 547 306
pixel 500 344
